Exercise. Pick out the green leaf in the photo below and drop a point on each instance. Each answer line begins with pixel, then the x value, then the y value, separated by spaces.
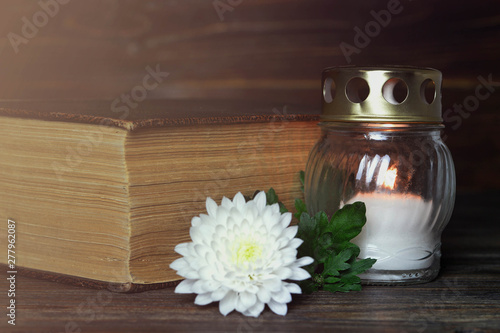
pixel 322 222
pixel 308 233
pixel 347 222
pixel 328 242
pixel 332 279
pixel 325 240
pixel 350 279
pixel 283 209
pixel 353 287
pixel 339 247
pixel 321 254
pixel 337 263
pixel 341 287
pixel 308 286
pixel 272 198
pixel 300 208
pixel 359 266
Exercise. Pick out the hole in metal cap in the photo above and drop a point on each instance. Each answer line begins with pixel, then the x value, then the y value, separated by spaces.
pixel 395 91
pixel 329 90
pixel 428 91
pixel 357 90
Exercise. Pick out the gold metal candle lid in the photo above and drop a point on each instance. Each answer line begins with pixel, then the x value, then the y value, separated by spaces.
pixel 381 94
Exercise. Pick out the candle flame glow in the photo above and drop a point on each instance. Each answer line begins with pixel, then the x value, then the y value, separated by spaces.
pixel 390 178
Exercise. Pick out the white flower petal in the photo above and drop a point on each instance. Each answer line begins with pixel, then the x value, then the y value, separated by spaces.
pixel 252 288
pixel 278 308
pixel 286 218
pixel 282 296
pixel 255 213
pixel 289 253
pixel 239 201
pixel 295 243
pixel 267 215
pixel 203 299
pixel 272 285
pixel 201 250
pixel 248 299
pixel 304 261
pixel 293 288
pixel 211 207
pixel 196 235
pixel 210 257
pixel 264 295
pixel 182 249
pixel 186 272
pixel 191 274
pixel 206 273
pixel 239 287
pixel 228 303
pixel 281 243
pixel 245 227
pixel 299 274
pixel 179 264
pixel 211 285
pixel 283 272
pixel 206 219
pixel 272 219
pixel 222 215
pixel 195 221
pixel 290 232
pixel 241 255
pixel 185 287
pixel 260 200
pixel 240 307
pixel 255 310
pixel 206 230
pixel 276 230
pixel 198 287
pixel 219 294
pixel 226 203
pixel 230 276
pixel 235 218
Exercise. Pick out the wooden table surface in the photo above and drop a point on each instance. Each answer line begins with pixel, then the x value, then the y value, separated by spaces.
pixel 464 298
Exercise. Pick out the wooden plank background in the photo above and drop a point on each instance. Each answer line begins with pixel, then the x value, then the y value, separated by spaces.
pixel 266 50
pixel 463 299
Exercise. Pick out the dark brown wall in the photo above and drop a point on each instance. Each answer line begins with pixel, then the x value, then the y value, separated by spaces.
pixel 270 50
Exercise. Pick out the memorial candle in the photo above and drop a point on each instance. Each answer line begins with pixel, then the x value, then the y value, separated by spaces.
pixel 396 232
pixel 380 144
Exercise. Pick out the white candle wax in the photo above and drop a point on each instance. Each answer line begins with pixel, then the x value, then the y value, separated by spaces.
pixel 397 232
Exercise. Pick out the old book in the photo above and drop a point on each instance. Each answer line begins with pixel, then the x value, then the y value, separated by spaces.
pixel 104 194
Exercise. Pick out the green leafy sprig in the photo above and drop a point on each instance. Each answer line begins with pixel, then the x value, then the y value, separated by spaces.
pixel 328 242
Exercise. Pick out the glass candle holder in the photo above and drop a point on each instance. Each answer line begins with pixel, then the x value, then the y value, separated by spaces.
pixel 381 145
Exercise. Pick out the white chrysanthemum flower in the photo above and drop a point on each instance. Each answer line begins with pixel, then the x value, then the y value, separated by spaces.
pixel 241 255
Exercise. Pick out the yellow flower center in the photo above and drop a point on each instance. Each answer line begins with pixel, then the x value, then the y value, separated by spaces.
pixel 247 252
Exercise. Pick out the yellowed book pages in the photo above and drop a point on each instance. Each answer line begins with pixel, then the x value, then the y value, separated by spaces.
pixel 99 196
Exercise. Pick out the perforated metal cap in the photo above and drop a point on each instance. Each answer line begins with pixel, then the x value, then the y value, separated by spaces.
pixel 382 94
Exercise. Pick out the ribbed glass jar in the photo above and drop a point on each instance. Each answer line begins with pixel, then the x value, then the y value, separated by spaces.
pixel 404 174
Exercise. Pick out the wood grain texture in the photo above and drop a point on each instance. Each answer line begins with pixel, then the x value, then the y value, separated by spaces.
pixel 263 50
pixel 88 283
pixel 464 298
